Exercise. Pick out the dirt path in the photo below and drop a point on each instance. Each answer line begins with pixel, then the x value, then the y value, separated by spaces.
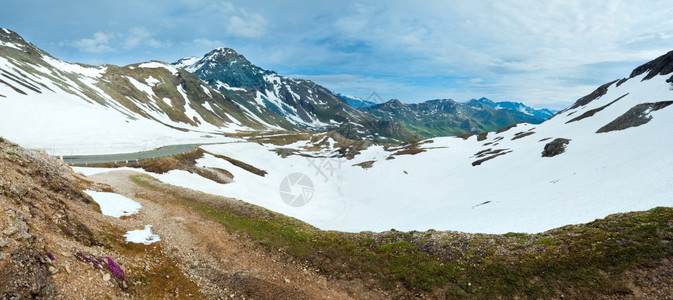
pixel 222 264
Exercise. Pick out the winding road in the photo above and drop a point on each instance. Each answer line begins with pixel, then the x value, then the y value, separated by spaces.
pixel 83 160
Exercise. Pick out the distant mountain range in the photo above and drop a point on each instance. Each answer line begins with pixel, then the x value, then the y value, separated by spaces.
pixel 542 114
pixel 446 117
pixel 221 92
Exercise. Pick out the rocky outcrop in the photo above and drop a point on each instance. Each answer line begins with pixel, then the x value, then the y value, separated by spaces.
pixel 555 147
pixel 636 116
pixel 600 91
pixel 662 65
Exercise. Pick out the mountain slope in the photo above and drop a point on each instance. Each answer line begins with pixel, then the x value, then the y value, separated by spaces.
pixel 606 154
pixel 45 101
pixel 285 102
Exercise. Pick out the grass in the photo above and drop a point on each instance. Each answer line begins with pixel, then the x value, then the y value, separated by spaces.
pixel 586 261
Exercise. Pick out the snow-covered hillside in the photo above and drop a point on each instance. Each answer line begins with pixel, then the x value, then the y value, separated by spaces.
pixel 78 109
pixel 492 183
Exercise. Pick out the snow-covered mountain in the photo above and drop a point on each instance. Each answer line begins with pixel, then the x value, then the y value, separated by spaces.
pixel 221 92
pixel 608 153
pixel 74 108
pixel 446 117
pixel 282 101
pixel 541 114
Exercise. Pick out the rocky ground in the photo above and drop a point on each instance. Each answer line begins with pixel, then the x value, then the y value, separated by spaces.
pixel 53 236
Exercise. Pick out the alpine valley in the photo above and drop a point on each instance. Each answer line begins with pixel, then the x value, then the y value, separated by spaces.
pixel 291 191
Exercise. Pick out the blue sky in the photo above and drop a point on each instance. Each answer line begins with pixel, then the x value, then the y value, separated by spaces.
pixel 543 53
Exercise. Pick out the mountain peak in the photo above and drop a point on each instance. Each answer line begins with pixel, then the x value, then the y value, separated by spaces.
pixel 222 54
pixel 394 102
pixel 218 56
pixel 8 36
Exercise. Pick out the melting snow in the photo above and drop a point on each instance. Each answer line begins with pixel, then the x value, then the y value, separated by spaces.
pixel 154 65
pixel 114 205
pixel 151 81
pixel 75 68
pixel 143 236
pixel 10 45
pixel 142 87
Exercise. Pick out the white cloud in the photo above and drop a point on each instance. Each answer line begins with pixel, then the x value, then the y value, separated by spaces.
pixel 552 50
pixel 139 36
pixel 247 25
pixel 207 43
pixel 100 42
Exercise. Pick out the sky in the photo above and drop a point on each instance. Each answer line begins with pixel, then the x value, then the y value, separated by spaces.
pixel 542 53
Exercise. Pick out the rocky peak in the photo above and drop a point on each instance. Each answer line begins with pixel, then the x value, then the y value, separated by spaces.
pixel 11 39
pixel 394 102
pixel 223 54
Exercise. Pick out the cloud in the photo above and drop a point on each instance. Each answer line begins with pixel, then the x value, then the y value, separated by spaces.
pixel 139 36
pixel 99 43
pixel 248 25
pixel 554 51
pixel 207 43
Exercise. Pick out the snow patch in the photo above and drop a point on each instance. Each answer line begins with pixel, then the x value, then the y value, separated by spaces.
pixel 207 91
pixel 151 81
pixel 155 65
pixel 186 63
pixel 221 84
pixel 142 236
pixel 10 45
pixel 142 87
pixel 62 66
pixel 114 205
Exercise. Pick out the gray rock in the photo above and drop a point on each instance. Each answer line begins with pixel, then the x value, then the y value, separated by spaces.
pixel 555 147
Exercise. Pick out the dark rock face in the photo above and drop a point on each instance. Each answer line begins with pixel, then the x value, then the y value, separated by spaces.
pixel 662 65
pixel 555 147
pixel 636 116
pixel 592 112
pixel 600 91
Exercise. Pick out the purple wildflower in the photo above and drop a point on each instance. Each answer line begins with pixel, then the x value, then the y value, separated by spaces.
pixel 89 259
pixel 114 268
pixel 51 256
